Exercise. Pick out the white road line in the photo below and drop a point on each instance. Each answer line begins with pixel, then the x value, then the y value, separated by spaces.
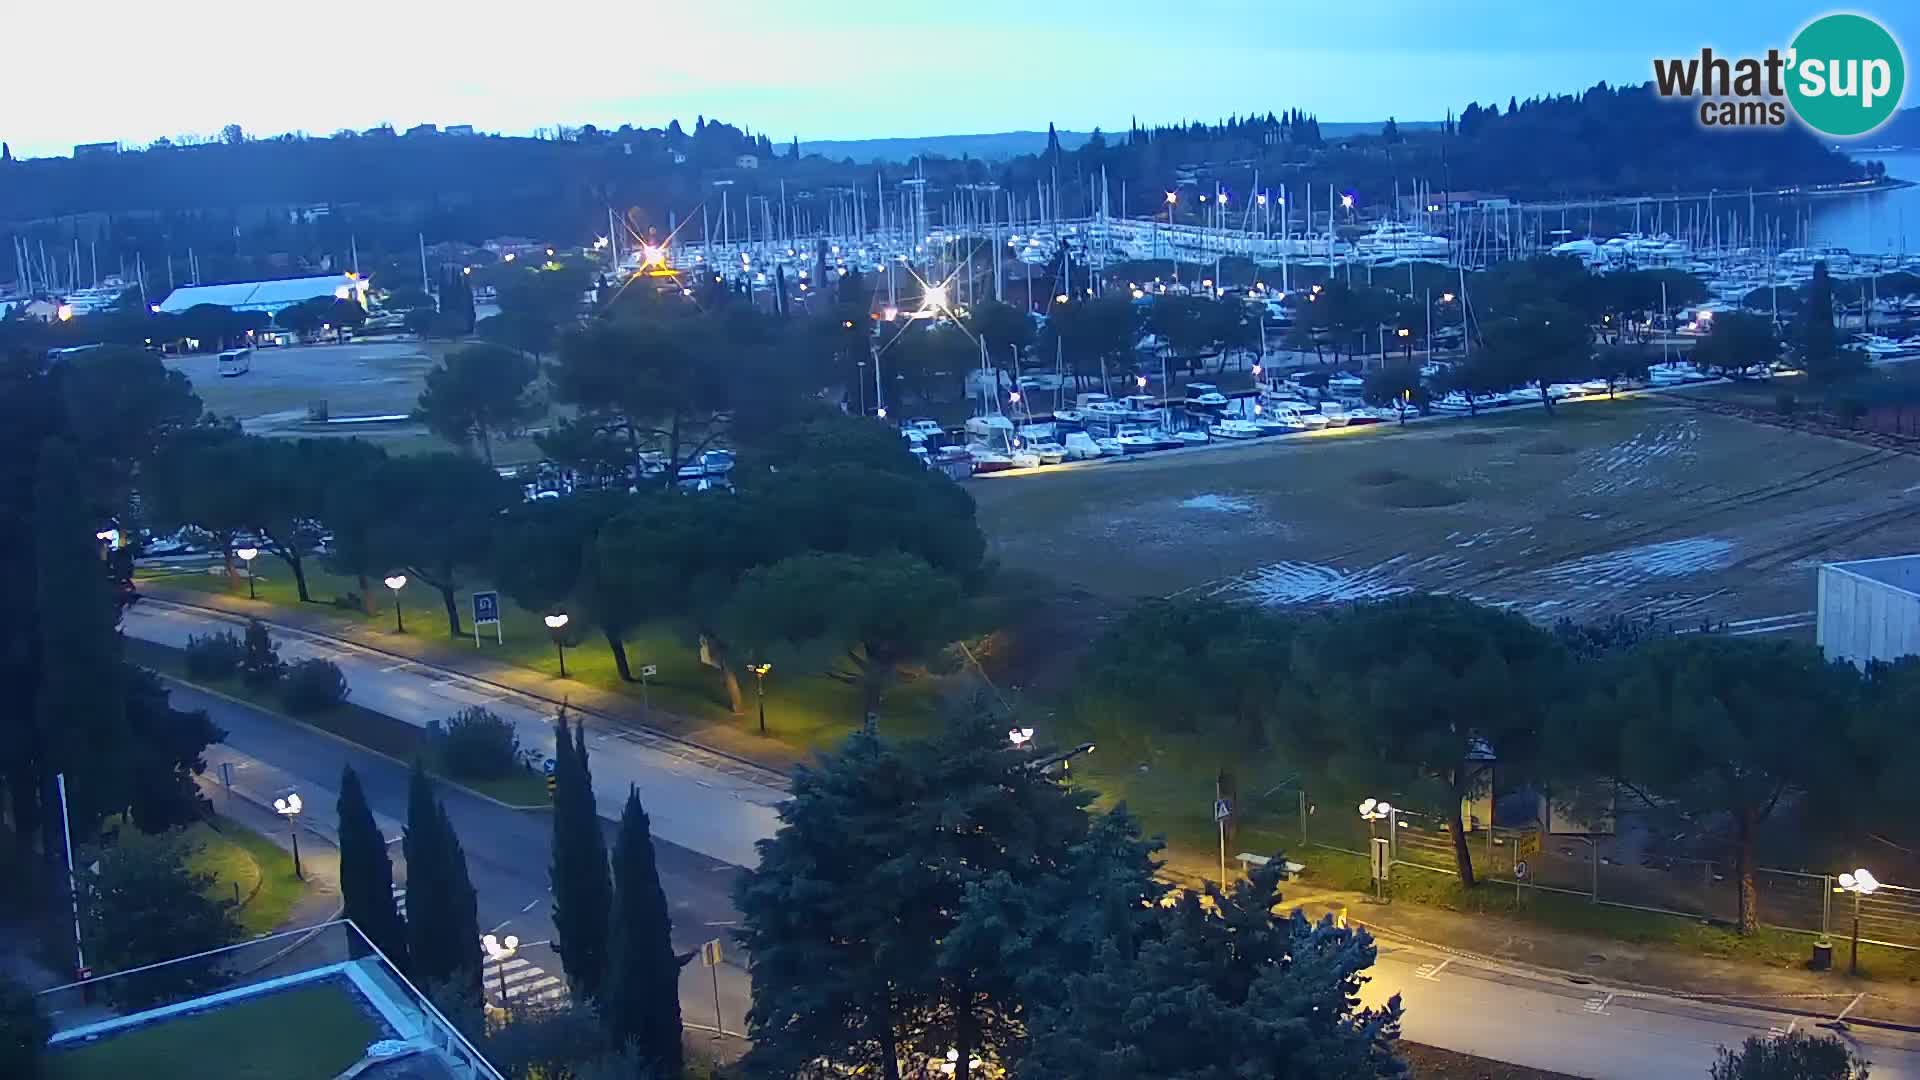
pixel 1774 629
pixel 1856 1000
pixel 1770 618
pixel 524 989
pixel 1599 1005
pixel 1431 972
pixel 529 906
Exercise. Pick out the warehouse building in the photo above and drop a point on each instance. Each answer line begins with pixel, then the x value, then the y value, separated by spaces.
pixel 1870 609
pixel 268 296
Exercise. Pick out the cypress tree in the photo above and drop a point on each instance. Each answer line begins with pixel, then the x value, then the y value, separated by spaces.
pixel 640 1004
pixel 582 892
pixel 443 920
pixel 366 873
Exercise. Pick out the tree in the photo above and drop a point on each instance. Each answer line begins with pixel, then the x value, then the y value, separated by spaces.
pixel 443 922
pixel 1821 354
pixel 1543 344
pixel 1716 728
pixel 1737 341
pixel 641 1002
pixel 1006 330
pixel 853 916
pixel 438 514
pixel 1396 385
pixel 1486 681
pixel 168 749
pixel 1236 991
pixel 648 384
pixel 24 1029
pixel 146 904
pixel 582 893
pixel 366 873
pixel 479 393
pixel 1796 1056
pixel 81 704
pixel 873 613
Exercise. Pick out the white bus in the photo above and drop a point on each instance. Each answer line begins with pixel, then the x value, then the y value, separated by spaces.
pixel 236 362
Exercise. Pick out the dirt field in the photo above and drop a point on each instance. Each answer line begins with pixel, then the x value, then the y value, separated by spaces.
pixel 1633 506
pixel 362 378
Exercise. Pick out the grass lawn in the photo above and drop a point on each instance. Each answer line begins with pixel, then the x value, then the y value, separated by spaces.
pixel 375 731
pixel 810 711
pixel 306 1033
pixel 249 868
pixel 1433 1063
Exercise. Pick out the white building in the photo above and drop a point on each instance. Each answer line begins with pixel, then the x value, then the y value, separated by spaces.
pixel 1870 609
pixel 267 296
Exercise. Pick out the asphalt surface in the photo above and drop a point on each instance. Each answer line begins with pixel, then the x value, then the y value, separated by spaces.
pixel 508 851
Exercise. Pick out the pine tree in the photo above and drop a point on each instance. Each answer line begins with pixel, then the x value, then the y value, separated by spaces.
pixel 640 1004
pixel 582 892
pixel 6 152
pixel 1818 346
pixel 366 873
pixel 1053 144
pixel 443 920
pixel 81 705
pixel 795 154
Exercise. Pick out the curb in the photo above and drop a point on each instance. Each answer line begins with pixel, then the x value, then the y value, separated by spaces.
pixel 336 737
pixel 783 778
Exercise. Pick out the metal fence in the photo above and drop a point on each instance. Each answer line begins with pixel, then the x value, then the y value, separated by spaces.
pixel 1631 869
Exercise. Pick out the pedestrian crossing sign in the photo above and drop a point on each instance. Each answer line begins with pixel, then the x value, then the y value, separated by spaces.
pixel 710 953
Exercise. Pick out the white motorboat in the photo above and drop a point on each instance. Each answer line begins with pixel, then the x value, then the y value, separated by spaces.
pixel 1525 395
pixel 1206 395
pixel 1674 373
pixel 1455 401
pixel 1024 459
pixel 1110 447
pixel 1346 385
pixel 989 461
pixel 1558 391
pixel 923 425
pixel 1189 437
pixel 1049 453
pixel 1136 441
pixel 1236 429
pixel 1596 386
pixel 1394 239
pixel 1081 446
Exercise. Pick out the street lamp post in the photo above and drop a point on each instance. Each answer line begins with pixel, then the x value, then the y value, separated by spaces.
pixel 760 691
pixel 246 555
pixel 396 582
pixel 557 623
pixel 501 950
pixel 1860 883
pixel 1374 811
pixel 289 808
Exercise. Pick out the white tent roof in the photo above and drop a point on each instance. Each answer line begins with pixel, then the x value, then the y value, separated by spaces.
pixel 258 295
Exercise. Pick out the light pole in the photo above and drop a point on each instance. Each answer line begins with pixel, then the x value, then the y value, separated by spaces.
pixel 501 950
pixel 1860 883
pixel 289 808
pixel 396 582
pixel 246 555
pixel 557 623
pixel 760 690
pixel 1374 811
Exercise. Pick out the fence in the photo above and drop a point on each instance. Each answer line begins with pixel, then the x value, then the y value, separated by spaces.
pixel 1632 868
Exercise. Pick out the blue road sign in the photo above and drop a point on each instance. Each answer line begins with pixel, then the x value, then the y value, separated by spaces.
pixel 486 607
pixel 548 767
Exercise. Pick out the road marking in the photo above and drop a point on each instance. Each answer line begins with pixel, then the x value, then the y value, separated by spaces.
pixel 1850 1005
pixel 400 900
pixel 1771 629
pixel 525 982
pixel 729 922
pixel 1770 619
pixel 1781 1033
pixel 498 928
pixel 1431 972
pixel 1599 1005
pixel 529 906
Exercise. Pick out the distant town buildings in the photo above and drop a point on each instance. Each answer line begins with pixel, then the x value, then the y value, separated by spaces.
pixel 95 149
pixel 267 296
pixel 747 161
pixel 1869 609
pixel 459 129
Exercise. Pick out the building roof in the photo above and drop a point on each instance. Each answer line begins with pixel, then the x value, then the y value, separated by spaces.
pixel 259 295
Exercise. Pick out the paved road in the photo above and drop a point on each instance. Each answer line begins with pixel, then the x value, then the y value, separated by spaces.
pixel 507 850
pixel 1473 1006
pixel 701 801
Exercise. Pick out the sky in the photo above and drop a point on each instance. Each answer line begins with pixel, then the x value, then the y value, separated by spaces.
pixel 137 70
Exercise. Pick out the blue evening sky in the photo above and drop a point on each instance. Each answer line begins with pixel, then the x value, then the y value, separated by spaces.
pixel 135 70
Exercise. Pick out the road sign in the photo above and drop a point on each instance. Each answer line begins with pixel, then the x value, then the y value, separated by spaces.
pixel 486 609
pixel 648 671
pixel 547 767
pixel 1222 810
pixel 1520 870
pixel 552 781
pixel 1528 846
pixel 710 953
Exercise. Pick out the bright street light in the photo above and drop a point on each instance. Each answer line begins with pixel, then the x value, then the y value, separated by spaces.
pixel 500 950
pixel 1860 883
pixel 1013 397
pixel 289 808
pixel 760 690
pixel 1020 736
pixel 935 297
pixel 556 623
pixel 247 555
pixel 1140 381
pixel 396 582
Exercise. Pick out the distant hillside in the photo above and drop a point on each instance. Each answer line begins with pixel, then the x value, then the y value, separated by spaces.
pixel 1902 130
pixel 1003 145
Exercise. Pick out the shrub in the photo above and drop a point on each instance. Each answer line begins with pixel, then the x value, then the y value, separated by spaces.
pixel 214 656
pixel 1798 1056
pixel 1785 404
pixel 350 601
pixel 475 744
pixel 1851 410
pixel 312 686
pixel 23 1030
pixel 260 665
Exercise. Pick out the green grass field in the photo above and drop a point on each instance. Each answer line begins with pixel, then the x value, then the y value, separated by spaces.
pixel 249 868
pixel 305 1033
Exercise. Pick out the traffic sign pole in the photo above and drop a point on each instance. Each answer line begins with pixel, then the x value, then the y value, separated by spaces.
pixel 1221 811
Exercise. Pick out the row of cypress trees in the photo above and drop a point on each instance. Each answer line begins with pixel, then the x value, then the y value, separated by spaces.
pixel 611 924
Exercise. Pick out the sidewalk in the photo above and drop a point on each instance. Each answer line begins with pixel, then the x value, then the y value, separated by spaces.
pixel 1610 964
pixel 319 859
pixel 730 740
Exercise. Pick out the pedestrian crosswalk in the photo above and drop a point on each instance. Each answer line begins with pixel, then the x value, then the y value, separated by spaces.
pixel 526 983
pixel 520 981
